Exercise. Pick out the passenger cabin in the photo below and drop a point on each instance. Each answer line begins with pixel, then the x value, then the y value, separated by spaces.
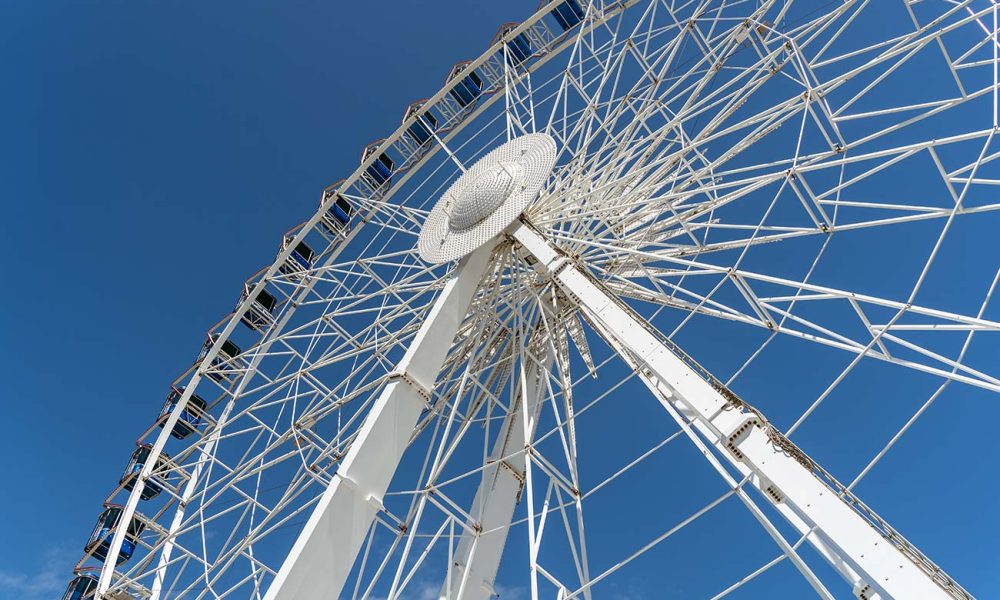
pixel 424 127
pixel 379 172
pixel 518 48
pixel 190 417
pixel 140 457
pixel 300 259
pixel 81 587
pixel 100 539
pixel 337 219
pixel 227 352
pixel 569 14
pixel 260 315
pixel 469 84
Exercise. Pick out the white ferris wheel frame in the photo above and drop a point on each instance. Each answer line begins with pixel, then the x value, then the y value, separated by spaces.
pixel 872 557
pixel 319 563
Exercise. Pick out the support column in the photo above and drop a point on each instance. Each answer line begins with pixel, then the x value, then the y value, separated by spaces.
pixel 872 563
pixel 477 557
pixel 322 557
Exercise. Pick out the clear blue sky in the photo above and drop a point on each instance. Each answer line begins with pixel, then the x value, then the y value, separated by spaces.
pixel 152 154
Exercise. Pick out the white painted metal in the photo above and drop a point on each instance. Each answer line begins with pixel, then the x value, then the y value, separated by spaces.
pixel 104 580
pixel 477 557
pixel 671 120
pixel 487 198
pixel 318 564
pixel 740 436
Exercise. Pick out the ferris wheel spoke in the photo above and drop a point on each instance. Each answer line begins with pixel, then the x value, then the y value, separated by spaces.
pixel 434 491
pixel 776 314
pixel 934 396
pixel 744 161
pixel 889 444
pixel 818 207
pixel 519 103
pixel 617 334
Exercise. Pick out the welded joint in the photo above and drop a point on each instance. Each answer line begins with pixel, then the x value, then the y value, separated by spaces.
pixel 518 475
pixel 487 586
pixel 770 490
pixel 410 381
pixel 738 432
pixel 864 591
pixel 558 266
pixel 372 500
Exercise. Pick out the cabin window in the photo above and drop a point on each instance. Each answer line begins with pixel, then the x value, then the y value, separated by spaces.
pixel 230 349
pixel 344 205
pixel 265 299
pixel 569 14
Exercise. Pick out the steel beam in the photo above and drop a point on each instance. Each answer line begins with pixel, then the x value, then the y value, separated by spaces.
pixel 873 563
pixel 322 557
pixel 474 566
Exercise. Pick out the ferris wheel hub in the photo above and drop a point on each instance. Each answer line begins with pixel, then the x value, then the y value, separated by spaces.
pixel 484 195
pixel 487 198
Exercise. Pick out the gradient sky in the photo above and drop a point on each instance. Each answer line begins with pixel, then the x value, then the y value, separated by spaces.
pixel 152 155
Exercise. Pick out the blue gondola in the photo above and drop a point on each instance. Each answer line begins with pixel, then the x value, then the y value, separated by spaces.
pixel 300 259
pixel 380 171
pixel 569 14
pixel 469 86
pixel 424 127
pixel 227 352
pixel 190 417
pixel 100 539
pixel 342 210
pixel 518 47
pixel 337 218
pixel 81 587
pixel 302 254
pixel 261 311
pixel 139 458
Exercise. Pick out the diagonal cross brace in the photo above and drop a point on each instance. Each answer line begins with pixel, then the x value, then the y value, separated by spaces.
pixel 321 559
pixel 477 556
pixel 872 563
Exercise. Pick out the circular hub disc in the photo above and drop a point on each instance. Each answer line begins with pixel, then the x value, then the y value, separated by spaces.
pixel 487 198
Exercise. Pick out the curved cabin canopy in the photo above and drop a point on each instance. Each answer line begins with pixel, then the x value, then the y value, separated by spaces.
pixel 423 127
pixel 469 84
pixel 379 172
pixel 190 417
pixel 140 456
pixel 104 530
pixel 518 49
pixel 81 587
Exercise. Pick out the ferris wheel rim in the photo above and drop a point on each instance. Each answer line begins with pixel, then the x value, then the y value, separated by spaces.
pixel 358 173
pixel 328 198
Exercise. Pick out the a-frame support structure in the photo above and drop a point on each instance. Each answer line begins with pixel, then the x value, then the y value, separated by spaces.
pixel 874 563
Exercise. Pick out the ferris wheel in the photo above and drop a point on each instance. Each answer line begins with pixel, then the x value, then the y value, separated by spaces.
pixel 647 286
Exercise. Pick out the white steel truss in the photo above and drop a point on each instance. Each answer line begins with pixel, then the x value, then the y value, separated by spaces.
pixel 877 563
pixel 319 562
pixel 810 188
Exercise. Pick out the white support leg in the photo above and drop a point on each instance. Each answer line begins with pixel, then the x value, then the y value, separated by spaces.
pixel 321 558
pixel 866 558
pixel 474 566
